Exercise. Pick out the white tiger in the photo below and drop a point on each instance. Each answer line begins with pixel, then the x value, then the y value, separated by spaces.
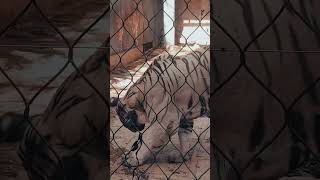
pixel 165 100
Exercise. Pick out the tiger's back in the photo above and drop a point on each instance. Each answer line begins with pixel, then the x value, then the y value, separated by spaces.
pixel 167 98
pixel 185 79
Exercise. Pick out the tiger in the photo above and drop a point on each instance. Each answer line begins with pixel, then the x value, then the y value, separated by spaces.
pixel 261 98
pixel 68 141
pixel 164 101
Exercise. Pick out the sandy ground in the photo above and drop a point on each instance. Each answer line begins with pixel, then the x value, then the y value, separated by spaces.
pixel 122 139
pixel 199 165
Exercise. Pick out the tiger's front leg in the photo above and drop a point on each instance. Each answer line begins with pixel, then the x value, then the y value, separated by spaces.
pixel 185 137
pixel 153 140
pixel 156 137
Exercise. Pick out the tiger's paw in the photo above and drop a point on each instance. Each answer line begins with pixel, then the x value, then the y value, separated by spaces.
pixel 176 157
pixel 131 160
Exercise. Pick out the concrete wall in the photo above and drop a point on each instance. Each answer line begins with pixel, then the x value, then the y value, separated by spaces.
pixel 125 12
pixel 61 12
pixel 168 18
pixel 154 14
pixel 9 10
pixel 194 11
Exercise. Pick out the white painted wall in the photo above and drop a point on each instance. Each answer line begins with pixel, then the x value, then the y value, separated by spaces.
pixel 168 18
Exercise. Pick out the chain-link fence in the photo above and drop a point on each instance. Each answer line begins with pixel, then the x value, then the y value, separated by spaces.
pixel 52 45
pixel 160 78
pixel 67 140
pixel 264 95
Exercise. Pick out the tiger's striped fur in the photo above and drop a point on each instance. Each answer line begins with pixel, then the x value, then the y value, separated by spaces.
pixel 166 99
pixel 68 141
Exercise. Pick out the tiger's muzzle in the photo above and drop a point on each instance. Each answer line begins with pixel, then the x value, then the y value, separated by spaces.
pixel 129 119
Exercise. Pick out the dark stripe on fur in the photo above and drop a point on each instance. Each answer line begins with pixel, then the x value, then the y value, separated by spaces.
pixel 317 130
pixel 257 132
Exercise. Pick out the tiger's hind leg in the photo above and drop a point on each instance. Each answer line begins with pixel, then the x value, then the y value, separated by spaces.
pixel 185 137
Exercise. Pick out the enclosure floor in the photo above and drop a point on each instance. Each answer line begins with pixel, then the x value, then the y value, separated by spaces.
pixel 198 166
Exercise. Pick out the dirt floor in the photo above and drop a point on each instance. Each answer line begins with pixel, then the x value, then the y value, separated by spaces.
pixel 199 165
pixel 122 139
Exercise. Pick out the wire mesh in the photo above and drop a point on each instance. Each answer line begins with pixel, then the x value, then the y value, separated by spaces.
pixel 46 151
pixel 142 160
pixel 44 159
pixel 251 164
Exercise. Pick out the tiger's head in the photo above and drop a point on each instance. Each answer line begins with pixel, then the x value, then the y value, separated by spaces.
pixel 131 111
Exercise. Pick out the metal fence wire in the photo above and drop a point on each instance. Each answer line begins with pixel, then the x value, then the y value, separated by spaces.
pixel 161 81
pixel 69 141
pixel 46 152
pixel 261 38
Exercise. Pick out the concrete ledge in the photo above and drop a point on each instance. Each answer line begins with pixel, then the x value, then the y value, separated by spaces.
pixel 126 58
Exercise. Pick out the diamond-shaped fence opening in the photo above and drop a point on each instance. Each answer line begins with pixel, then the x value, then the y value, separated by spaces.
pixel 159 65
pixel 280 84
pixel 159 127
pixel 52 70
